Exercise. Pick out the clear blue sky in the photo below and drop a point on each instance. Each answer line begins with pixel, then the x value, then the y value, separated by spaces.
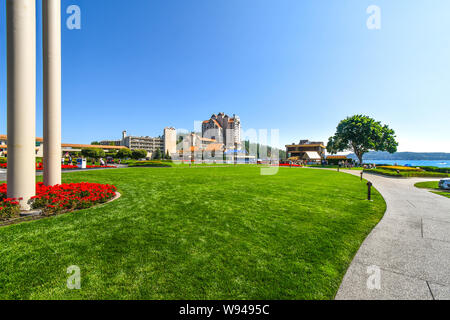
pixel 297 66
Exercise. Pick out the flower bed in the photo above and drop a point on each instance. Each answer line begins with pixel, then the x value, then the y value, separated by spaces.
pixel 289 165
pixel 9 207
pixel 400 168
pixel 59 198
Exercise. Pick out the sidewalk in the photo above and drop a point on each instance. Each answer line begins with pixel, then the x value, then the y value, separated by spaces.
pixel 411 246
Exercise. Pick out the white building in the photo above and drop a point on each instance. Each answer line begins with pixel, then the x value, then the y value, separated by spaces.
pixel 224 129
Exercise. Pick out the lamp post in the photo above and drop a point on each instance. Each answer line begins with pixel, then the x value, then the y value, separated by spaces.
pixel 51 36
pixel 21 99
pixel 369 191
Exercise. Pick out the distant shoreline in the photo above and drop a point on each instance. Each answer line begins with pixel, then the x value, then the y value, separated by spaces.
pixel 405 156
pixel 413 163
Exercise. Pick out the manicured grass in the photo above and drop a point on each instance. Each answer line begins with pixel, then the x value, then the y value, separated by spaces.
pixel 407 174
pixel 194 233
pixel 445 194
pixel 428 185
pixel 433 185
pixel 333 167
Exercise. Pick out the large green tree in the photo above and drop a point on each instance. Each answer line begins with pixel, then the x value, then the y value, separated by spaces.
pixel 139 154
pixel 124 153
pixel 93 153
pixel 158 154
pixel 362 134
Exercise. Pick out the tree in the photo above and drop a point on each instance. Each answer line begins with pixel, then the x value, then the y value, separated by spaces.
pixel 139 154
pixel 362 134
pixel 93 153
pixel 168 157
pixel 124 153
pixel 95 143
pixel 157 155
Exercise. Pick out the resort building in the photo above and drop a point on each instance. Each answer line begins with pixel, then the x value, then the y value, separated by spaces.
pixel 170 140
pixel 66 147
pixel 307 151
pixel 165 143
pixel 143 143
pixel 224 129
pixel 194 143
pixel 336 159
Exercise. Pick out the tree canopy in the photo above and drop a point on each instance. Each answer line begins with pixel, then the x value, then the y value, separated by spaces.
pixel 158 154
pixel 362 134
pixel 124 153
pixel 93 153
pixel 138 154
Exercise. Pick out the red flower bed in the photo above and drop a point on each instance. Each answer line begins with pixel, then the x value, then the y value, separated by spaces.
pixel 8 207
pixel 59 198
pixel 290 165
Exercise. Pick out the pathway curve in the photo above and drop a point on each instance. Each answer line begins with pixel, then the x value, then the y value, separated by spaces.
pixel 410 246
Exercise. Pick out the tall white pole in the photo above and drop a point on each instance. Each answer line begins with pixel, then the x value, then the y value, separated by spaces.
pixel 21 96
pixel 51 21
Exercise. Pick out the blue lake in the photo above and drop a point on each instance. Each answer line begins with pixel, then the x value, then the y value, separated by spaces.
pixel 413 163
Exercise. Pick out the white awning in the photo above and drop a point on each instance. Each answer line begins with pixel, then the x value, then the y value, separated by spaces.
pixel 312 155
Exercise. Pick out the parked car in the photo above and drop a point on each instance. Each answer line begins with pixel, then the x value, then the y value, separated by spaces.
pixel 444 184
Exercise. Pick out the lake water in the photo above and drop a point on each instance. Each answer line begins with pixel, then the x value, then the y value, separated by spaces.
pixel 414 163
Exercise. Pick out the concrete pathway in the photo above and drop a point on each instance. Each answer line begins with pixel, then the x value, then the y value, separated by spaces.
pixel 410 246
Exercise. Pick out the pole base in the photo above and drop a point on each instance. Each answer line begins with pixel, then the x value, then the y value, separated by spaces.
pixel 31 213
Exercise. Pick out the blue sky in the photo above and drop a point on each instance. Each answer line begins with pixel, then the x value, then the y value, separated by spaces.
pixel 296 66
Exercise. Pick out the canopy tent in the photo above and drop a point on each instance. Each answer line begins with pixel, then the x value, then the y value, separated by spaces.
pixel 311 155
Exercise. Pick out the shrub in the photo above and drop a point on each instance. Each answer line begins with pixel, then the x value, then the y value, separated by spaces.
pixel 165 164
pixel 435 169
pixel 68 197
pixel 124 154
pixel 406 174
pixel 9 207
pixel 138 154
pixel 399 168
pixel 93 153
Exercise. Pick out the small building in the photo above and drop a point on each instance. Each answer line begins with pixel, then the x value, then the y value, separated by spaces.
pixel 335 159
pixel 307 151
pixel 65 147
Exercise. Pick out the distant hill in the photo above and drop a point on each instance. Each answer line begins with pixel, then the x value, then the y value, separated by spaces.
pixel 379 155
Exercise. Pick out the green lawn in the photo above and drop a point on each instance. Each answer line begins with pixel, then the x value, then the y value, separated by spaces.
pixel 433 185
pixel 196 233
pixel 407 174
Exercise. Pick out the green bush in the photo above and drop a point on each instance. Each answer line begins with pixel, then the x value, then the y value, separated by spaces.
pixel 138 154
pixel 435 169
pixel 164 164
pixel 124 154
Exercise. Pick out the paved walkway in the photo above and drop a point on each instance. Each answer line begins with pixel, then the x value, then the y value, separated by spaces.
pixel 411 246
